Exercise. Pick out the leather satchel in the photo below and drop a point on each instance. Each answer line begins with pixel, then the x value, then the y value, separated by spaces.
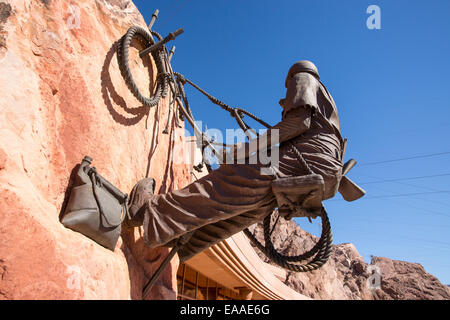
pixel 95 207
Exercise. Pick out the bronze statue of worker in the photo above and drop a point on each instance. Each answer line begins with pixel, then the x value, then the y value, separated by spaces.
pixel 235 196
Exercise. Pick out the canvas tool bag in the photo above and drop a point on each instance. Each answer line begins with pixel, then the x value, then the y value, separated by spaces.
pixel 95 207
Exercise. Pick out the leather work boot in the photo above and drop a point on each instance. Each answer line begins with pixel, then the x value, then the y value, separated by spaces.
pixel 142 191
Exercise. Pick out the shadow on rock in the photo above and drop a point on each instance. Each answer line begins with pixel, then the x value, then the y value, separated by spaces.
pixel 68 190
pixel 109 93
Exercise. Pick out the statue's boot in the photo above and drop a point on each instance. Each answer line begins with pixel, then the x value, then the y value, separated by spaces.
pixel 142 191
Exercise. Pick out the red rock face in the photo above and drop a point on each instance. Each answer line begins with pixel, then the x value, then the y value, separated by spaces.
pixel 63 98
pixel 346 276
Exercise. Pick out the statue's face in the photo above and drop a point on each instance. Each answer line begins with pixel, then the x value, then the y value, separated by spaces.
pixel 292 92
pixel 287 101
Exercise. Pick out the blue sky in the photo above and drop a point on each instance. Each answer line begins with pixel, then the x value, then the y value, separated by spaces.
pixel 391 87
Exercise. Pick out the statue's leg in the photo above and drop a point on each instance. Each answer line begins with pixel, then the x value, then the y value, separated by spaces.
pixel 213 233
pixel 210 234
pixel 226 192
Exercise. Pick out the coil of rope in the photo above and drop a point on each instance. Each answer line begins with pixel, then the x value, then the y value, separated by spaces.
pixel 143 37
pixel 322 249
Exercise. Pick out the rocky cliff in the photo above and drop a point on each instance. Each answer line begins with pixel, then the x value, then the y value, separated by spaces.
pixel 63 98
pixel 347 276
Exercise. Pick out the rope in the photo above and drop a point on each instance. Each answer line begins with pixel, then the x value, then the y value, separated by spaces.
pixel 322 248
pixel 145 39
pixel 236 113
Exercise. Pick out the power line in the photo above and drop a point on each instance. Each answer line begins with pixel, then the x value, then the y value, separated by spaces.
pixel 405 179
pixel 409 204
pixel 363 219
pixel 175 7
pixel 390 197
pixel 433 201
pixel 410 185
pixel 441 244
pixel 405 158
pixel 406 194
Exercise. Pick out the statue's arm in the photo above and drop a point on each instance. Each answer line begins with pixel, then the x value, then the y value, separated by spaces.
pixel 294 125
pixel 289 128
pixel 301 98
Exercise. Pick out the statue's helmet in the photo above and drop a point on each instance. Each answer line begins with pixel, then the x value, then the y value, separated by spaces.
pixel 302 66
